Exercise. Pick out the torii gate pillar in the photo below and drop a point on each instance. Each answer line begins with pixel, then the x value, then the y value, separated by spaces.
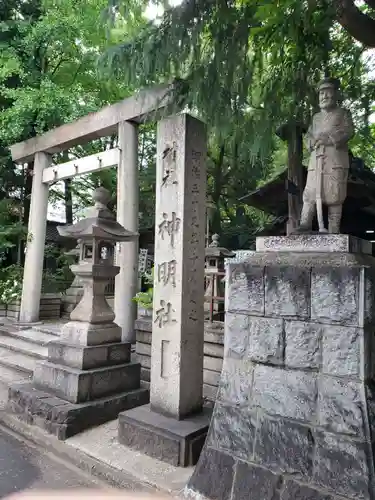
pixel 127 215
pixel 33 270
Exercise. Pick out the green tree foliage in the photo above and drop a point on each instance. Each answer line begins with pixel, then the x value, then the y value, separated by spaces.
pixel 48 76
pixel 246 67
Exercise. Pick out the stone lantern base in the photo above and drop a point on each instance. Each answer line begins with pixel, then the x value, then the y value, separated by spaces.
pixel 80 385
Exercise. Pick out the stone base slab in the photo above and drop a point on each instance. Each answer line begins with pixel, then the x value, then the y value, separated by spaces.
pixel 87 334
pixel 177 442
pixel 64 419
pixel 86 357
pixel 313 243
pixel 78 386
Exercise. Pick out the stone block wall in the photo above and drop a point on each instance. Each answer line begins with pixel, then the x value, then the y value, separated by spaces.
pixel 3 310
pixel 212 361
pixel 295 415
pixel 50 308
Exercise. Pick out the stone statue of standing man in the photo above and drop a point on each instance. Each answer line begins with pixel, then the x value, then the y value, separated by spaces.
pixel 327 140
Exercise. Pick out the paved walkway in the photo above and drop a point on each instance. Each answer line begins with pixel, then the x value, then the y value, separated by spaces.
pixel 25 467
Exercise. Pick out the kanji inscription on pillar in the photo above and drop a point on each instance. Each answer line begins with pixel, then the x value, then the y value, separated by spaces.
pixel 169 226
pixel 167 272
pixel 179 267
pixel 169 155
pixel 164 314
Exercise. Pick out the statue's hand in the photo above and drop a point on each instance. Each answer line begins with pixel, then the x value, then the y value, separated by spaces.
pixel 323 140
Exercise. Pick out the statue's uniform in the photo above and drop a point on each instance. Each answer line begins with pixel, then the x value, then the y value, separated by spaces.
pixel 333 156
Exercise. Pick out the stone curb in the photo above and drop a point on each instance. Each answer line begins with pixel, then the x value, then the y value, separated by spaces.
pixel 114 478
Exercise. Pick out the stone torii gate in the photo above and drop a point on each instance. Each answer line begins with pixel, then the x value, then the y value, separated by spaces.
pixel 175 415
pixel 121 118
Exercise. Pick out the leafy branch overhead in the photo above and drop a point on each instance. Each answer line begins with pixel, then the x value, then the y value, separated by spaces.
pixel 246 67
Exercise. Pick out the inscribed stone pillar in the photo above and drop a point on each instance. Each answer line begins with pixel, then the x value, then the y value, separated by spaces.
pixel 126 285
pixel 173 428
pixel 33 270
pixel 178 316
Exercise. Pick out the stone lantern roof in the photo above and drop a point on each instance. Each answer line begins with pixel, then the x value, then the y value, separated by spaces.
pixel 214 250
pixel 99 222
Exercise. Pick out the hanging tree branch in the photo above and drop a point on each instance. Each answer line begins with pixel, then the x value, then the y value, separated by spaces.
pixel 358 24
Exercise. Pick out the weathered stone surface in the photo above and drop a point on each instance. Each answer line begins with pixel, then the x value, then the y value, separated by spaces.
pixel 237 331
pixel 303 344
pixel 341 350
pixel 208 478
pixel 367 284
pixel 64 419
pixel 177 442
pixel 245 289
pixel 214 350
pixel 341 406
pixel 145 374
pixel 211 378
pixel 214 364
pixel 266 342
pixel 305 260
pixel 335 295
pixel 303 430
pixel 255 482
pixel 370 399
pixel 85 357
pixel 179 258
pixel 287 292
pixel 78 386
pixel 158 446
pixel 233 430
pixel 209 392
pixel 284 447
pixel 86 334
pixel 143 349
pixel 288 394
pixel 144 337
pixel 236 381
pixel 341 466
pixel 313 243
pixel 296 491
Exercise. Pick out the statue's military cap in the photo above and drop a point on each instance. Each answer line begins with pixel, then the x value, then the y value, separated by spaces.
pixel 329 83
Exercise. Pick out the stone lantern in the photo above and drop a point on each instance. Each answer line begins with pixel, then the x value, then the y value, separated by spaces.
pixel 97 235
pixel 88 369
pixel 215 273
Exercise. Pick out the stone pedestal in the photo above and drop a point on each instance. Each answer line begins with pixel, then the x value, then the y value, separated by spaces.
pixel 173 427
pixel 295 415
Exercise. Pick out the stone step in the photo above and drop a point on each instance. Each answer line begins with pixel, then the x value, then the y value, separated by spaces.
pixel 53 328
pixel 17 361
pixel 9 375
pixel 24 347
pixel 29 335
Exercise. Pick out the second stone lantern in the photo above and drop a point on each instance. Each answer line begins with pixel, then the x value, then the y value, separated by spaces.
pixel 88 371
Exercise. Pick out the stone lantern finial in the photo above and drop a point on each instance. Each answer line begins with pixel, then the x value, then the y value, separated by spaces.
pixel 101 197
pixel 215 241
